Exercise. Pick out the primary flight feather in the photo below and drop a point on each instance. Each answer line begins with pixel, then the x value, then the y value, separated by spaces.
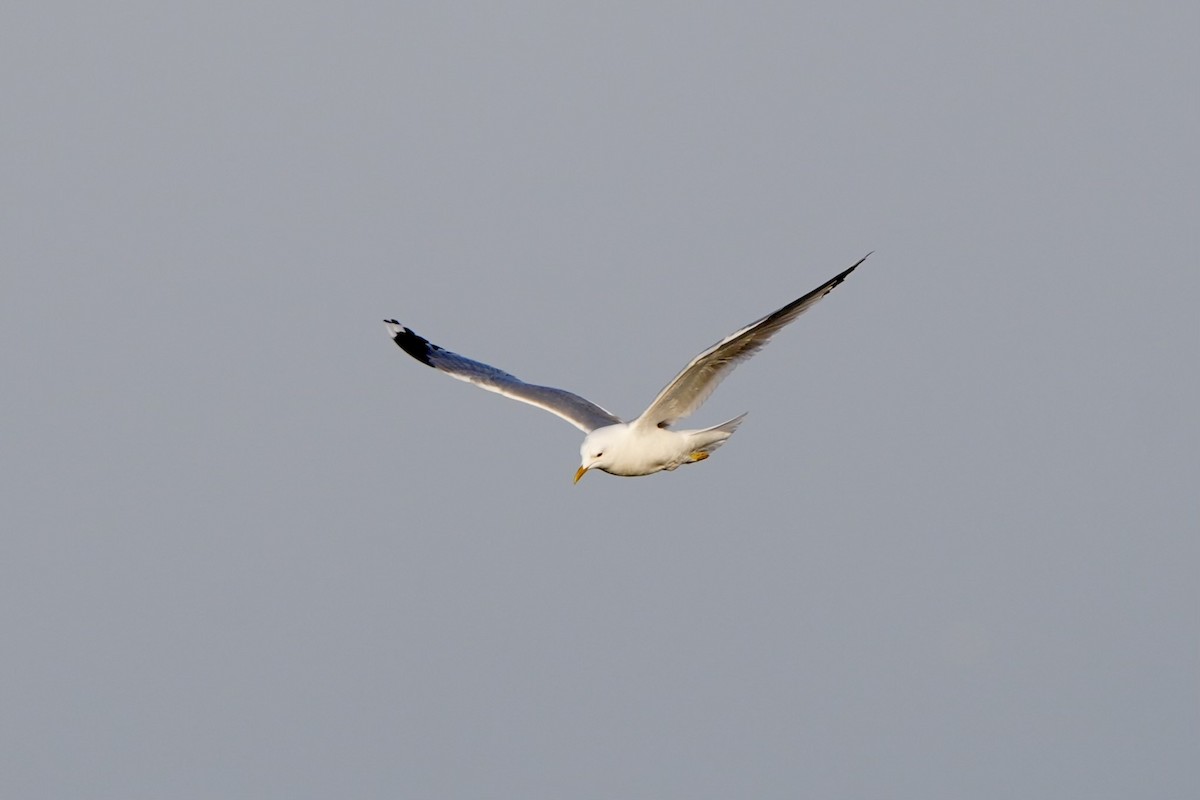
pixel 645 445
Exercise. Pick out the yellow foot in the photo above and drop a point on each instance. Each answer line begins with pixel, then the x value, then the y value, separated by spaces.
pixel 699 455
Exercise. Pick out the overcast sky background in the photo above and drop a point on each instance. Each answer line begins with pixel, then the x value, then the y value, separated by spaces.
pixel 251 549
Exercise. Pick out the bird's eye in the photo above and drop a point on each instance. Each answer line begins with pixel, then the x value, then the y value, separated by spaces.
pixel 599 454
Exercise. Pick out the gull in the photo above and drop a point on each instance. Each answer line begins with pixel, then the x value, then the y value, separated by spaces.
pixel 647 444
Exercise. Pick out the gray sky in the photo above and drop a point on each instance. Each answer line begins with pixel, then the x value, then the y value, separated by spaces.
pixel 252 550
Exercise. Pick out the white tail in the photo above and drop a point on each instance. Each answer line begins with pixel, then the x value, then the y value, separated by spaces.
pixel 710 439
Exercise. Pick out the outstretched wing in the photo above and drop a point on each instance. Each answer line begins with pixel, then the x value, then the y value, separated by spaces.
pixel 696 382
pixel 583 414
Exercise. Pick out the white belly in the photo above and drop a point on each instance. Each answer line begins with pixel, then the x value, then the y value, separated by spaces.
pixel 647 452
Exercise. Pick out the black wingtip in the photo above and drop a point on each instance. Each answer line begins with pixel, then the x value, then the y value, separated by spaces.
pixel 839 278
pixel 416 346
pixel 854 266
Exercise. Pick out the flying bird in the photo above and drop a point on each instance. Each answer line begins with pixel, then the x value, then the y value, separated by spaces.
pixel 647 444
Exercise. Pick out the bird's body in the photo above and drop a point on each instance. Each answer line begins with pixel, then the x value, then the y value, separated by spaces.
pixel 630 449
pixel 647 444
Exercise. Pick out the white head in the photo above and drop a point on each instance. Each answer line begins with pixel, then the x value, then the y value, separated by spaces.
pixel 597 450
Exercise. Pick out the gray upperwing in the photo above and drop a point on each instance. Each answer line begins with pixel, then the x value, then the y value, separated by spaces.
pixel 583 414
